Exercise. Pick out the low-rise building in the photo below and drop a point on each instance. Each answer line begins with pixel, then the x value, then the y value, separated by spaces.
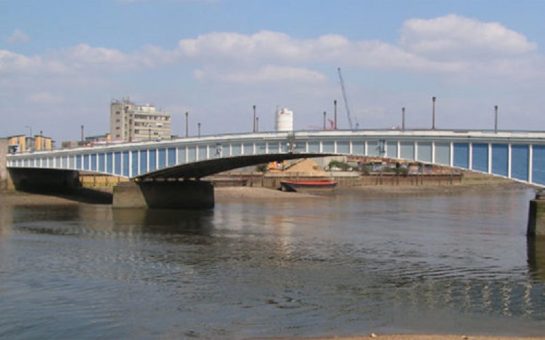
pixel 99 139
pixel 23 143
pixel 43 143
pixel 19 143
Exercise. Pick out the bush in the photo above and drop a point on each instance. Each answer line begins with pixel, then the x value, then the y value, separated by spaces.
pixel 261 168
pixel 339 165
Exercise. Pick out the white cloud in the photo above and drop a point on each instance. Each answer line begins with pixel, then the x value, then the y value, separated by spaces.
pixel 449 44
pixel 18 37
pixel 45 98
pixel 274 47
pixel 265 74
pixel 15 63
pixel 85 54
pixel 453 37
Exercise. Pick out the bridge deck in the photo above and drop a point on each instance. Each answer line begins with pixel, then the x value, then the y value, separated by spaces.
pixel 516 155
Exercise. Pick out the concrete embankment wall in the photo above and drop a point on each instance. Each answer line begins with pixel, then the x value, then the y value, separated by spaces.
pixel 344 179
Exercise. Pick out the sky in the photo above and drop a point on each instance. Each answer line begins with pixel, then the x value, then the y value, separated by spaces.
pixel 62 62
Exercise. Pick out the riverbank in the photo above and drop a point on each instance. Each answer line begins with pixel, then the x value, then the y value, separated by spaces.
pixel 229 193
pixel 252 193
pixel 433 337
pixel 11 198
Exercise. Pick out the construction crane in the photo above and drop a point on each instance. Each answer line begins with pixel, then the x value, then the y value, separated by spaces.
pixel 345 99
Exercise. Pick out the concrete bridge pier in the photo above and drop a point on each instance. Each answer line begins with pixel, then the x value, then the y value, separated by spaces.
pixel 187 194
pixel 536 216
pixel 5 179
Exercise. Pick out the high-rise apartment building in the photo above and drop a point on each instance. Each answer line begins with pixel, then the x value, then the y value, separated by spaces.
pixel 130 122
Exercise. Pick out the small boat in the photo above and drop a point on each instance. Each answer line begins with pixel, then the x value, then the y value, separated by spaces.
pixel 312 184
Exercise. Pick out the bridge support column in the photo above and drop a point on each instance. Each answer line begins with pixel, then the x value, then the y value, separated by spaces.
pixel 6 184
pixel 164 195
pixel 536 216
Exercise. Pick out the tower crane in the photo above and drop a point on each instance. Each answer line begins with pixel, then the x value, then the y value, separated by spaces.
pixel 345 99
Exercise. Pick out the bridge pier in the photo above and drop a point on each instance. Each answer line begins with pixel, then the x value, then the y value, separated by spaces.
pixel 536 216
pixel 5 178
pixel 187 194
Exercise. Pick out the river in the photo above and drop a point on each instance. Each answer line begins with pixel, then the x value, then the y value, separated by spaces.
pixel 344 264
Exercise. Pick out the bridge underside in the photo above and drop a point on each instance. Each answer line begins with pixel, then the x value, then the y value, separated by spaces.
pixel 209 167
pixel 44 180
pixel 191 193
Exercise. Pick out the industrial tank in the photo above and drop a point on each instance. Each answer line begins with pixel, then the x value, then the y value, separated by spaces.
pixel 284 120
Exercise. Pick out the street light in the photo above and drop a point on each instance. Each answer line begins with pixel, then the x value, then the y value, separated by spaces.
pixel 433 113
pixel 325 114
pixel 187 124
pixel 495 118
pixel 199 129
pixel 335 114
pixel 403 118
pixel 254 123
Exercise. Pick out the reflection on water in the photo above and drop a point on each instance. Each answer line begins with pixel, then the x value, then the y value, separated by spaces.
pixel 536 258
pixel 345 264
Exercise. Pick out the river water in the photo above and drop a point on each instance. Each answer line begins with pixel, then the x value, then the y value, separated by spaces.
pixel 345 264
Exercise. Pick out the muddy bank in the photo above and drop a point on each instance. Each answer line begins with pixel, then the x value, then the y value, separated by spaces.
pixel 82 195
pixel 252 193
pixel 491 186
pixel 223 194
pixel 432 337
pixel 23 198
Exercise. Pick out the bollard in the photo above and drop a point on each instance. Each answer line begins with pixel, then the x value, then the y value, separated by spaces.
pixel 536 215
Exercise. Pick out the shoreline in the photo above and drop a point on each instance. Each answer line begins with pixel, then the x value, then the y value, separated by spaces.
pixel 247 193
pixel 410 336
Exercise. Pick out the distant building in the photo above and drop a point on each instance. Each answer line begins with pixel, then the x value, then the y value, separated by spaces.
pixel 19 143
pixel 100 139
pixel 71 144
pixel 23 143
pixel 130 122
pixel 43 143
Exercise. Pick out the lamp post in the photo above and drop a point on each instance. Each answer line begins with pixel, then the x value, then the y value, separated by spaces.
pixel 403 118
pixel 254 121
pixel 199 129
pixel 433 113
pixel 187 124
pixel 335 114
pixel 495 118
pixel 325 114
pixel 256 124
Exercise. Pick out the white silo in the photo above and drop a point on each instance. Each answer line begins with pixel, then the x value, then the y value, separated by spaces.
pixel 284 120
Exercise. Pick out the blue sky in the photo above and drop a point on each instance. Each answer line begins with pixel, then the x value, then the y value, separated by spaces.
pixel 61 62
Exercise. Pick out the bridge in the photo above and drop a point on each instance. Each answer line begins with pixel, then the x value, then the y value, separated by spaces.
pixel 519 156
